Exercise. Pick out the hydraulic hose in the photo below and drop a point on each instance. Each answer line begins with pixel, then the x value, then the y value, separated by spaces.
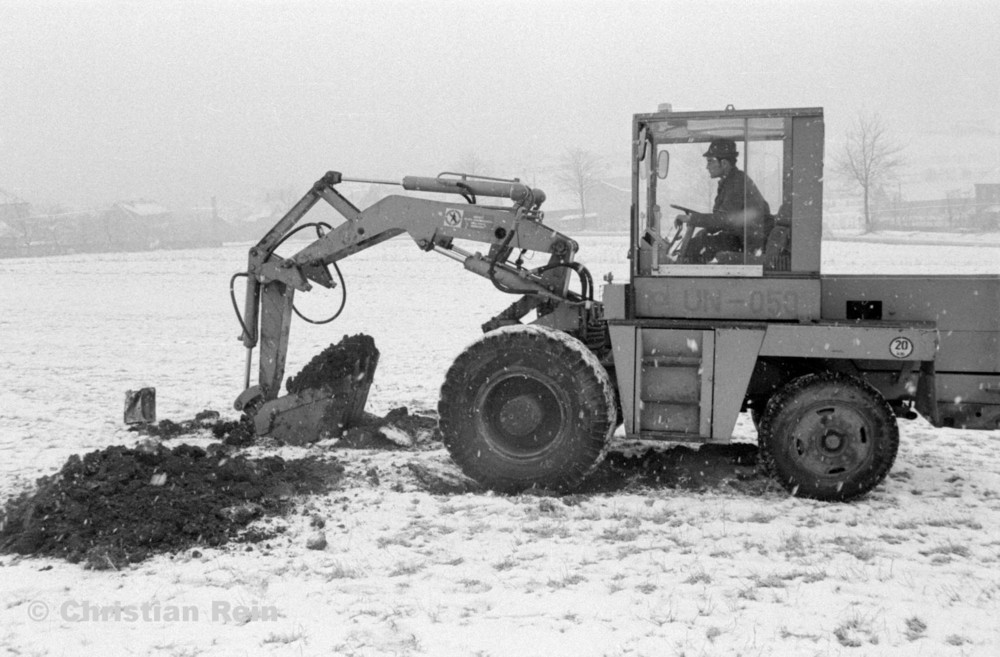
pixel 493 267
pixel 343 285
pixel 236 306
pixel 586 280
pixel 343 302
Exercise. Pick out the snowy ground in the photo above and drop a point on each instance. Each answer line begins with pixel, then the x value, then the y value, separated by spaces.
pixel 911 569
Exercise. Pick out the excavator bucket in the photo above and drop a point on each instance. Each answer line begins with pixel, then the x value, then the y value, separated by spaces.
pixel 326 397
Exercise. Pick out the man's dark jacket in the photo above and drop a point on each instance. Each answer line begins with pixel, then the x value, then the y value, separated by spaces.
pixel 738 200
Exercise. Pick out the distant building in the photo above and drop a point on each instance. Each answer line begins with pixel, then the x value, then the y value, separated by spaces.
pixel 133 225
pixel 958 210
pixel 136 225
pixel 12 207
pixel 987 194
pixel 12 211
pixel 611 201
pixel 251 222
pixel 987 212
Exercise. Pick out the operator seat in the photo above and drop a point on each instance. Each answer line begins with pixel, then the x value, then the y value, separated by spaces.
pixel 778 248
pixel 776 254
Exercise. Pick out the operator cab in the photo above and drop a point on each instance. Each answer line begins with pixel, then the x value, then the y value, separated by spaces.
pixel 675 172
pixel 768 266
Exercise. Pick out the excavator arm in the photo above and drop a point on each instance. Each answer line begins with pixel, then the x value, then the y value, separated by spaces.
pixel 434 225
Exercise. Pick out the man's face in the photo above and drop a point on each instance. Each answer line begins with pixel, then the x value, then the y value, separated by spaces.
pixel 715 167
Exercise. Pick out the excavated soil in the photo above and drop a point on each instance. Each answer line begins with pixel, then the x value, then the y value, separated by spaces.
pixel 237 433
pixel 119 505
pixel 370 432
pixel 374 432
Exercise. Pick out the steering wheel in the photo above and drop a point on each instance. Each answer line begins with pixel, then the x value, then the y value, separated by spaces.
pixel 684 235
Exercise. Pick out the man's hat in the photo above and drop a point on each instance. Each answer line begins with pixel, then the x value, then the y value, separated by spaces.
pixel 722 148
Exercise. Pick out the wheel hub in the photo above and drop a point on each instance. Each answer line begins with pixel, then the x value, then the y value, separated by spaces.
pixel 833 440
pixel 521 414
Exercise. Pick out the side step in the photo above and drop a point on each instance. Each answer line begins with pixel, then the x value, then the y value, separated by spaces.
pixel 675 385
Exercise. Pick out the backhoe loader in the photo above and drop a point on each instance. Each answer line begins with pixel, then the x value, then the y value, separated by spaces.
pixel 824 364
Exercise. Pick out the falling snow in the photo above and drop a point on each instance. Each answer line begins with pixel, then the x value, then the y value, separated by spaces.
pixel 911 568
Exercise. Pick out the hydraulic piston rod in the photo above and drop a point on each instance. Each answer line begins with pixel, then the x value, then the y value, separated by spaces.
pixel 517 192
pixel 499 272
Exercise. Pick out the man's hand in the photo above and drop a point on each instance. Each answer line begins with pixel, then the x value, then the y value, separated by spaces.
pixel 682 219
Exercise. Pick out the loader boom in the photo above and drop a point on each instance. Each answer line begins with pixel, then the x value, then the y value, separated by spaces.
pixel 434 225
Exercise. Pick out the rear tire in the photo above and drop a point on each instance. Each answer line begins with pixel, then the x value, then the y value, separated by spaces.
pixel 828 436
pixel 527 406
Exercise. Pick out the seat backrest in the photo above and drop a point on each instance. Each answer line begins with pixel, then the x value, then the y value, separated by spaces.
pixel 777 249
pixel 777 254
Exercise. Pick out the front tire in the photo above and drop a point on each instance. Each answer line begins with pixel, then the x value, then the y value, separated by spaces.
pixel 828 436
pixel 527 406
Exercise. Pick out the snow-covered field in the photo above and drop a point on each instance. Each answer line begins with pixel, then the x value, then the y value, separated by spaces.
pixel 911 569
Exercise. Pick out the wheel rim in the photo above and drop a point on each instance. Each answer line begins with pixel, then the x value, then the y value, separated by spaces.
pixel 521 413
pixel 832 440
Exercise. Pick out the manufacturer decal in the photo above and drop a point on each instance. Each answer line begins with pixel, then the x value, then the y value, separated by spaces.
pixel 453 218
pixel 901 347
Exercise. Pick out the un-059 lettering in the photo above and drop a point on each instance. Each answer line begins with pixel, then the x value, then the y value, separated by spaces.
pixel 774 302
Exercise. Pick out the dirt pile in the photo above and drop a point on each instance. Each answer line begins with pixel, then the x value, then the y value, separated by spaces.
pixel 119 505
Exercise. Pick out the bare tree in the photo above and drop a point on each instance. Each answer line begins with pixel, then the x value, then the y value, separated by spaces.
pixel 580 172
pixel 472 164
pixel 870 157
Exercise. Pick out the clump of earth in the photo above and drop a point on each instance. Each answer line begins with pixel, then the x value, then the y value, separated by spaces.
pixel 237 433
pixel 397 429
pixel 121 505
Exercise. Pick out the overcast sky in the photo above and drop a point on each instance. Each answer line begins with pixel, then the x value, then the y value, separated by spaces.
pixel 182 101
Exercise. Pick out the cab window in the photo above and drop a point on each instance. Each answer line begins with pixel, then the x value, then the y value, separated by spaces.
pixel 719 203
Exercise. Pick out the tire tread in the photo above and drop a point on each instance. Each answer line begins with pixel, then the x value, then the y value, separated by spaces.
pixel 455 411
pixel 885 449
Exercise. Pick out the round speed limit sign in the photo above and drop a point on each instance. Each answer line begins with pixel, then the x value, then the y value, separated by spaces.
pixel 901 347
